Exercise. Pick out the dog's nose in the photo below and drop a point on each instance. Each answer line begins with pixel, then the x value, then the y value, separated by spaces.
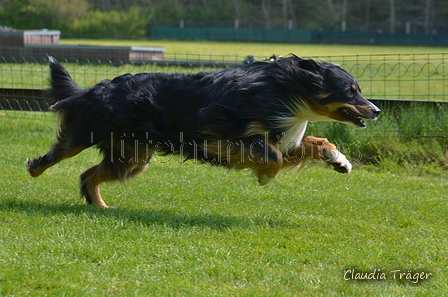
pixel 377 112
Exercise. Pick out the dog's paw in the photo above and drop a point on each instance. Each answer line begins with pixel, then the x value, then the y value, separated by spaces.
pixel 263 180
pixel 30 167
pixel 339 162
pixel 29 164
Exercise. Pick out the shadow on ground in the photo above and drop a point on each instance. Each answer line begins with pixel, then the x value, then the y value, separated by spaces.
pixel 169 218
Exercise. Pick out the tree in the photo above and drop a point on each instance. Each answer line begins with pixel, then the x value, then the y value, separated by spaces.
pixel 367 15
pixel 392 16
pixel 417 16
pixel 37 14
pixel 112 24
pixel 344 12
pixel 427 16
pixel 237 14
pixel 266 7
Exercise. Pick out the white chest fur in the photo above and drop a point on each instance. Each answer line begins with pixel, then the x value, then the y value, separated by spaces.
pixel 292 137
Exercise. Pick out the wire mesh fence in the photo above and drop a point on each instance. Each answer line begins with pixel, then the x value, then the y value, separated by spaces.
pixel 399 76
pixel 411 89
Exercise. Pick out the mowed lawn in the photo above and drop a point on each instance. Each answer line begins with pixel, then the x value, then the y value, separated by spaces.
pixel 262 50
pixel 196 230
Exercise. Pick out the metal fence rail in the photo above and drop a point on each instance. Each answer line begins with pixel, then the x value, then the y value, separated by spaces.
pixel 415 84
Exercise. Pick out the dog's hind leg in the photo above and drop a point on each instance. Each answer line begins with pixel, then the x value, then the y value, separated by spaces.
pixel 90 181
pixel 110 169
pixel 60 150
pixel 71 141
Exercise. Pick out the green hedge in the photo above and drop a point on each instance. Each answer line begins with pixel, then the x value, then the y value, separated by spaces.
pixel 111 24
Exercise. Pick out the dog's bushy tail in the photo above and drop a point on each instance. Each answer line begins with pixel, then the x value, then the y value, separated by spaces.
pixel 61 83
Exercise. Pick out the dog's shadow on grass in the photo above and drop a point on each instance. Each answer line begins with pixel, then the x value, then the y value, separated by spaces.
pixel 168 218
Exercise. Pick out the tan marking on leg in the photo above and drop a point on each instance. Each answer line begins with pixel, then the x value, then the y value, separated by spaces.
pixel 244 156
pixel 267 170
pixel 310 148
pixel 90 181
pixel 98 174
pixel 318 149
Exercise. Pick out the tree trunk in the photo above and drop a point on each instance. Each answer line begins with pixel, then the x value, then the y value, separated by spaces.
pixel 428 16
pixel 292 14
pixel 330 5
pixel 392 16
pixel 237 14
pixel 344 15
pixel 207 8
pixel 285 13
pixel 265 6
pixel 367 16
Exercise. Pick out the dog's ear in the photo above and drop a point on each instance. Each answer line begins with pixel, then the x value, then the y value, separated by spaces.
pixel 296 57
pixel 309 65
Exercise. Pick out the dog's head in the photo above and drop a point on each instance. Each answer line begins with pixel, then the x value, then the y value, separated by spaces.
pixel 331 94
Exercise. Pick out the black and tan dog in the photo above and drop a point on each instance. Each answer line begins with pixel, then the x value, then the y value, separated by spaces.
pixel 253 116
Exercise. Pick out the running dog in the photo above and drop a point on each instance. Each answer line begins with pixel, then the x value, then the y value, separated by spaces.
pixel 253 116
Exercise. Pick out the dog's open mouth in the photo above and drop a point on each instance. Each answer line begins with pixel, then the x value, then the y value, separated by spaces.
pixel 352 116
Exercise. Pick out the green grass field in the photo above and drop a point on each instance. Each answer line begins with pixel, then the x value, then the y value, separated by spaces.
pixel 261 49
pixel 197 230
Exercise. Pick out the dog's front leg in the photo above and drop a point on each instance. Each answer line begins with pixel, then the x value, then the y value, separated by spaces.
pixel 338 161
pixel 267 168
pixel 318 149
pixel 252 152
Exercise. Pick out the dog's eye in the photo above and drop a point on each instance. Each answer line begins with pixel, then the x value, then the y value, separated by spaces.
pixel 350 92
